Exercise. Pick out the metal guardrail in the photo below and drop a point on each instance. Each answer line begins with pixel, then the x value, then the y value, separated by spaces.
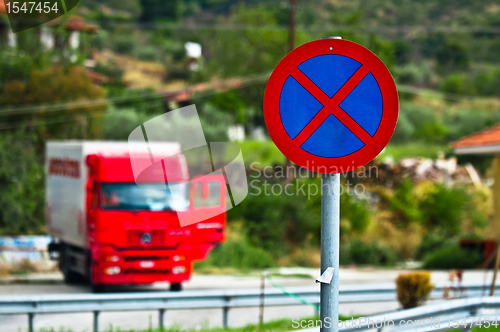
pixel 428 318
pixel 224 299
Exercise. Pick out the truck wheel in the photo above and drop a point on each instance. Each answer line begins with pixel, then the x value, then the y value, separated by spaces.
pixel 70 277
pixel 98 288
pixel 175 287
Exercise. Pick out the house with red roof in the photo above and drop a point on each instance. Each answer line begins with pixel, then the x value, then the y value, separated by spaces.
pixel 486 142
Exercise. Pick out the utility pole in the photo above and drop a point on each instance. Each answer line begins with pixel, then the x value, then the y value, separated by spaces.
pixel 291 35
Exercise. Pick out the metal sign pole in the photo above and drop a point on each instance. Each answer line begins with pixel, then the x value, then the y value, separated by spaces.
pixel 330 240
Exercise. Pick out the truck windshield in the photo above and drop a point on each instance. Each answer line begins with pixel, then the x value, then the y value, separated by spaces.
pixel 150 197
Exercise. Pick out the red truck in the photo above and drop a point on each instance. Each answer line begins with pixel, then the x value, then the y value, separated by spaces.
pixel 111 231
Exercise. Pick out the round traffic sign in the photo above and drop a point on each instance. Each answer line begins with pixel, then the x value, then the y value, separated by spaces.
pixel 331 106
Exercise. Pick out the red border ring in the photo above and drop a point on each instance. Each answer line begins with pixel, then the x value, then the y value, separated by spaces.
pixel 354 160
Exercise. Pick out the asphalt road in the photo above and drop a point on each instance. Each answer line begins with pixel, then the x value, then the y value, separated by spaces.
pixel 205 318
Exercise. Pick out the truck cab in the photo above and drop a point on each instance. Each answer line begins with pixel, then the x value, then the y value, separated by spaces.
pixel 112 230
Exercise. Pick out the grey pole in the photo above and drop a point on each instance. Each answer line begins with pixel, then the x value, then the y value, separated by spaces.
pixel 161 319
pixel 31 322
pixel 330 240
pixel 96 321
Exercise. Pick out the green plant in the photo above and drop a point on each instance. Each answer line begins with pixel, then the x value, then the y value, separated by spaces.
pixel 367 253
pixel 430 243
pixel 119 123
pixel 444 208
pixel 404 204
pixel 124 44
pixel 458 84
pixel 22 180
pixel 451 256
pixel 452 56
pixel 146 53
pixel 238 253
pixel 413 288
pixel 355 214
pixel 276 221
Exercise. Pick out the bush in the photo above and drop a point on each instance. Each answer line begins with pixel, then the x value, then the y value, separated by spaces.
pixel 412 74
pixel 22 178
pixel 146 53
pixel 276 222
pixel 370 253
pixel 451 256
pixel 430 243
pixel 119 123
pixel 452 56
pixel 404 130
pixel 124 44
pixel 444 209
pixel 404 204
pixel 458 84
pixel 238 253
pixel 355 214
pixel 413 288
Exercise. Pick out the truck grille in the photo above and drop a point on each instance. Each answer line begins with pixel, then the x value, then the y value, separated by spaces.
pixel 163 272
pixel 146 239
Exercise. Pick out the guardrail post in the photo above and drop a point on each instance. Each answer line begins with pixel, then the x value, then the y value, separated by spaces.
pixel 161 319
pixel 96 321
pixel 225 317
pixel 225 312
pixel 31 321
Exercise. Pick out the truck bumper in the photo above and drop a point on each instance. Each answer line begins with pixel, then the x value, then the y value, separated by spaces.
pixel 118 267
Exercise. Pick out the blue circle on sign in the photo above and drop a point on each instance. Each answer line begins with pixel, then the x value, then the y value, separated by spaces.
pixel 363 104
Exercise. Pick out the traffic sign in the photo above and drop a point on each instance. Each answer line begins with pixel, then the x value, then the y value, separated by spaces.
pixel 331 106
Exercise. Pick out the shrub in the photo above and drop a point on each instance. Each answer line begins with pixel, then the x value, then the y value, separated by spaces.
pixel 146 53
pixel 413 288
pixel 452 56
pixel 451 256
pixel 119 123
pixel 355 214
pixel 430 243
pixel 444 209
pixel 124 44
pixel 367 253
pixel 404 205
pixel 404 130
pixel 238 253
pixel 458 84
pixel 278 222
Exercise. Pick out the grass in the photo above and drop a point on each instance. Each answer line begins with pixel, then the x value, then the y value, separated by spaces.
pixel 414 149
pixel 265 153
pixel 278 325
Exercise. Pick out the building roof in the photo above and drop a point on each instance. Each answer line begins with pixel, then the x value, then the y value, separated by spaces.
pixel 482 142
pixel 79 24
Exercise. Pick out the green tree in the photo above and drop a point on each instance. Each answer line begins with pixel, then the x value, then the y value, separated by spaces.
pixel 21 184
pixel 56 95
pixel 452 56
pixel 444 209
pixel 405 206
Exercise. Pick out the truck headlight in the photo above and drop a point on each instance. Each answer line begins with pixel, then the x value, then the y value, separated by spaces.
pixel 113 258
pixel 177 258
pixel 112 270
pixel 178 269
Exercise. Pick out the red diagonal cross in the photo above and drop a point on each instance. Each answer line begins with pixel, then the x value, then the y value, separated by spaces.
pixel 331 105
